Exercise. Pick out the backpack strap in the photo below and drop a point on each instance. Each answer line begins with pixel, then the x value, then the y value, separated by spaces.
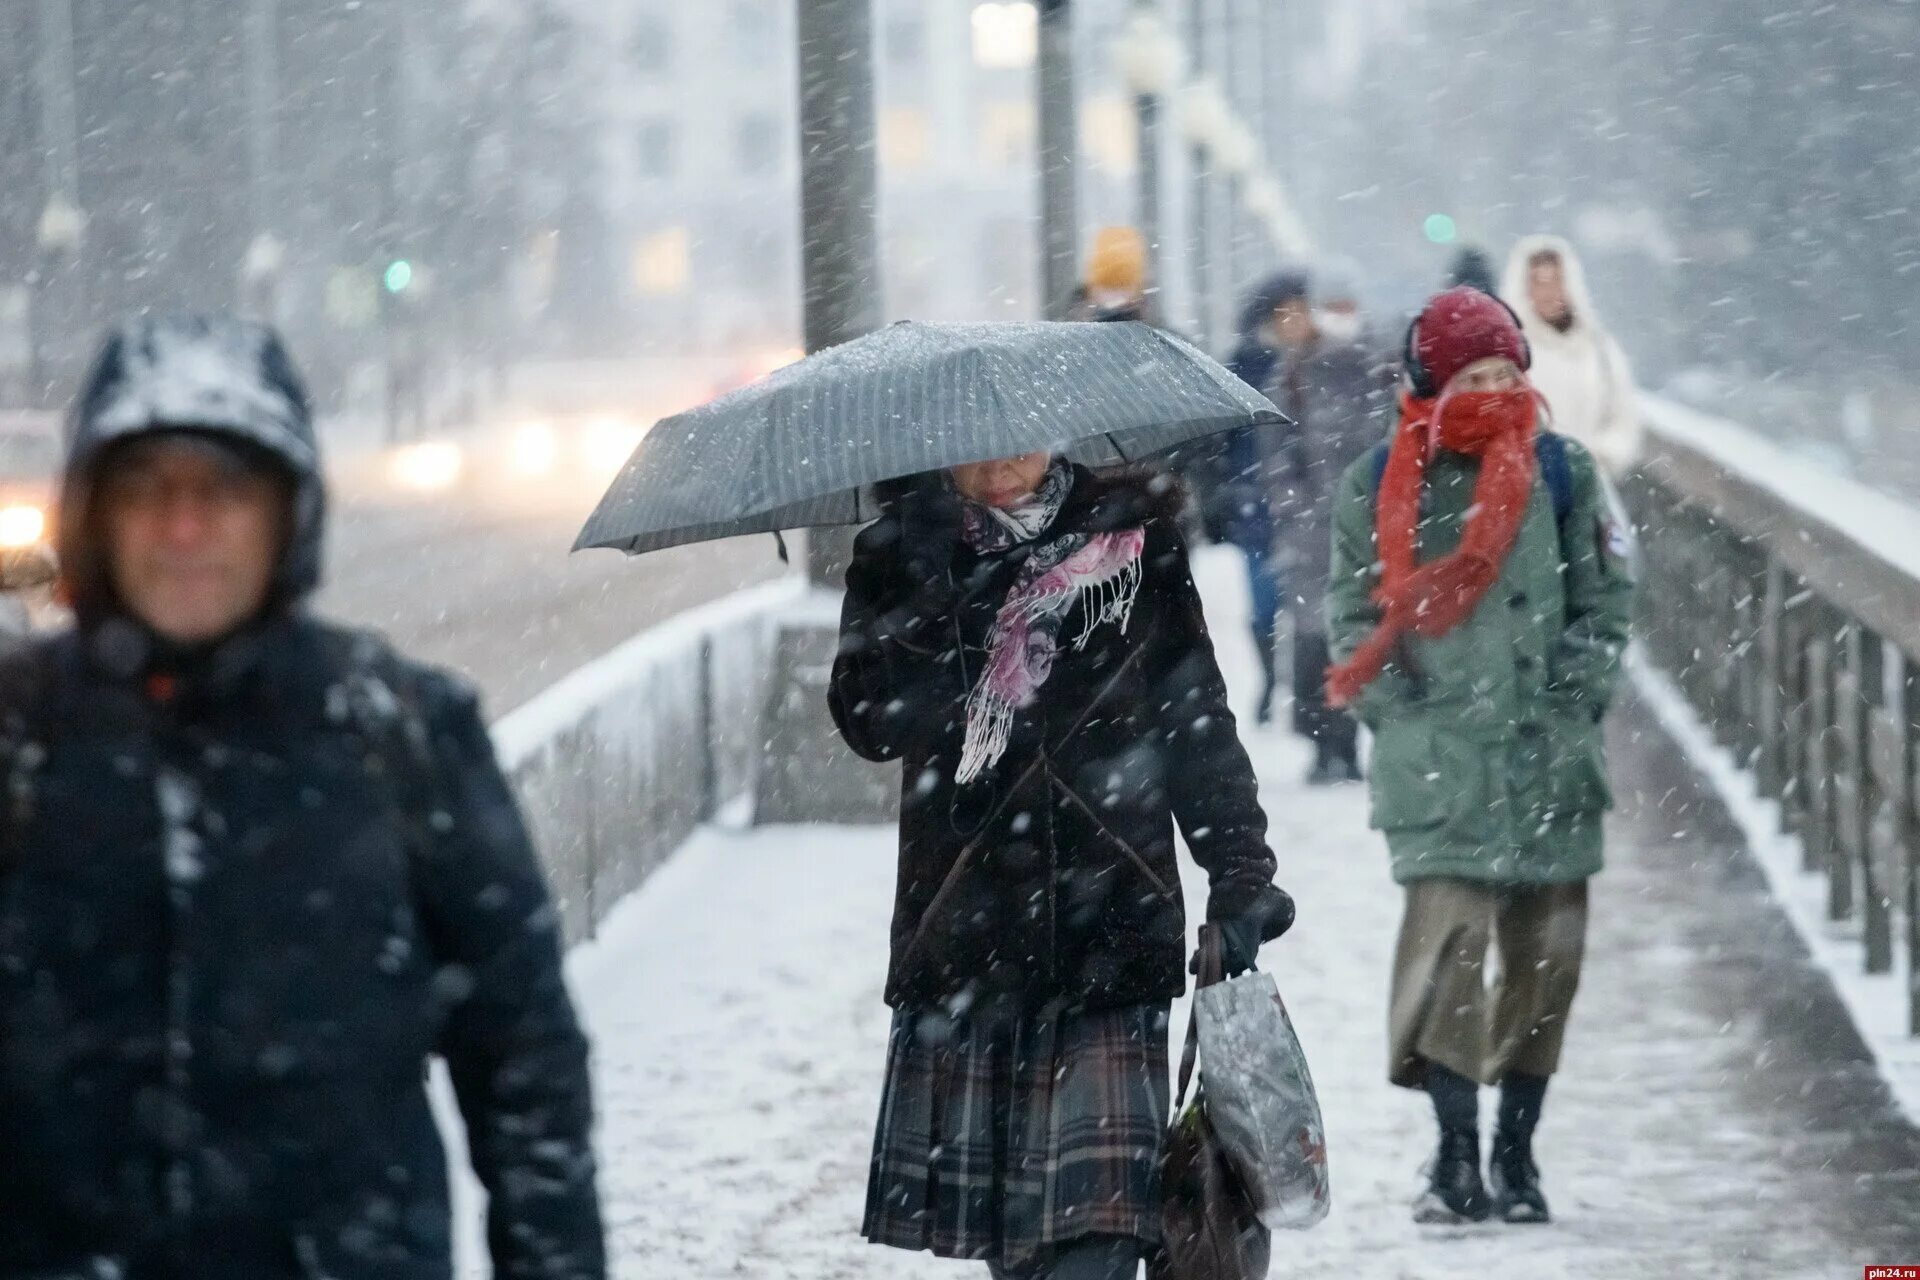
pixel 1551 449
pixel 1548 448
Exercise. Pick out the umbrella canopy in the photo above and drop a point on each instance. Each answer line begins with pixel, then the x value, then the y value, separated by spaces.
pixel 805 446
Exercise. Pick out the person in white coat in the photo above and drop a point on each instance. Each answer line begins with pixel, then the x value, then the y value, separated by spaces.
pixel 1576 363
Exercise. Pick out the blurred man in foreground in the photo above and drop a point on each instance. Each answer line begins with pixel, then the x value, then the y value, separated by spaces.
pixel 253 871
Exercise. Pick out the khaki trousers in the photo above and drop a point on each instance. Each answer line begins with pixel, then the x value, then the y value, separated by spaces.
pixel 1444 1010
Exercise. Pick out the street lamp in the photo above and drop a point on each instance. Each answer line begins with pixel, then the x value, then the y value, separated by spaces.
pixel 260 271
pixel 55 318
pixel 63 227
pixel 1236 148
pixel 1204 117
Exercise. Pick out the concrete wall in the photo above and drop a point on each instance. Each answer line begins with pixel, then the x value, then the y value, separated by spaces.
pixel 619 762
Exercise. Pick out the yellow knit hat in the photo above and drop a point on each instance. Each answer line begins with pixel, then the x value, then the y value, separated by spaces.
pixel 1118 262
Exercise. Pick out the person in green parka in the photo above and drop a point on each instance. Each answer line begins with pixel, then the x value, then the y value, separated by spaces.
pixel 1477 612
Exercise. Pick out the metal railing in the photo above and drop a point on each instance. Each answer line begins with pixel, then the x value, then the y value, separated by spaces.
pixel 1785 604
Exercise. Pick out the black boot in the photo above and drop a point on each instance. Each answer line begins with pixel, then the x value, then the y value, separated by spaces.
pixel 1325 770
pixel 1515 1177
pixel 1263 644
pixel 1454 1192
pixel 1343 745
pixel 1342 767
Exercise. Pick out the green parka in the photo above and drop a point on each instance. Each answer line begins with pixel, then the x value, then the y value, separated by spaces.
pixel 1488 762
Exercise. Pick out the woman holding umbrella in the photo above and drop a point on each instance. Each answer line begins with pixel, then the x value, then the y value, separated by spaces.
pixel 1024 636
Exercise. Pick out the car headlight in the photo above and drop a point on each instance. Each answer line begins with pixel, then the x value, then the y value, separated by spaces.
pixel 535 449
pixel 428 467
pixel 22 525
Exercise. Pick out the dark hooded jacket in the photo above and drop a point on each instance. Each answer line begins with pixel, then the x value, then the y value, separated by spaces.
pixel 240 906
pixel 1237 503
pixel 1053 876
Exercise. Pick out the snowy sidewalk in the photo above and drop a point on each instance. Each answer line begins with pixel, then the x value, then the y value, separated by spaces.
pixel 1716 1116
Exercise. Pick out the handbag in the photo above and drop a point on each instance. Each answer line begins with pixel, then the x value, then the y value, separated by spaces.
pixel 1261 1100
pixel 1210 1227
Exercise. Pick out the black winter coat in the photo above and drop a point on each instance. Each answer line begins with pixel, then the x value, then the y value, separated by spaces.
pixel 233 925
pixel 1052 876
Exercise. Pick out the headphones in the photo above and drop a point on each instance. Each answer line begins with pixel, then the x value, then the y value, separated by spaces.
pixel 1422 380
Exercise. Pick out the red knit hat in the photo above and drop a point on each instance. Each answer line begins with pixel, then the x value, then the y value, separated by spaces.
pixel 1457 328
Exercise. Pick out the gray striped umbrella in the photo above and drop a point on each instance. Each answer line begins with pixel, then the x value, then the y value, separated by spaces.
pixel 806 446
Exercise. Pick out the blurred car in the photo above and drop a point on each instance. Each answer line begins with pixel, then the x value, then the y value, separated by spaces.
pixel 30 457
pixel 597 443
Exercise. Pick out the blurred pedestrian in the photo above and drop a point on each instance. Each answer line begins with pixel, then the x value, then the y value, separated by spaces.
pixel 1472 267
pixel 1118 287
pixel 1236 501
pixel 1577 365
pixel 1478 609
pixel 1338 314
pixel 254 870
pixel 1338 392
pixel 1116 280
pixel 1024 636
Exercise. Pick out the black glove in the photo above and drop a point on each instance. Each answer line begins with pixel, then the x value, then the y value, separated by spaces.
pixel 1242 935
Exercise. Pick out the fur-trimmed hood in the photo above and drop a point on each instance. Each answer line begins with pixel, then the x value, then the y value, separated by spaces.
pixel 1513 287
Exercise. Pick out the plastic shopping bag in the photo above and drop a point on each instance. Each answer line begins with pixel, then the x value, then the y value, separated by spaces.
pixel 1260 1097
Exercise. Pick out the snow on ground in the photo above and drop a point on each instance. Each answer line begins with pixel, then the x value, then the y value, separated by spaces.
pixel 735 1005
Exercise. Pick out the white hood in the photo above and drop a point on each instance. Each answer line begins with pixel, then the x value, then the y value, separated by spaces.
pixel 1513 287
pixel 1582 371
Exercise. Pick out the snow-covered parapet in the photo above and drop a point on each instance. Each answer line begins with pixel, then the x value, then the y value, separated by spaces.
pixel 1780 624
pixel 618 763
pixel 1863 545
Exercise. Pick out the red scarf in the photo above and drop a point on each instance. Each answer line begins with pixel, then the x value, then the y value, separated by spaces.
pixel 1432 599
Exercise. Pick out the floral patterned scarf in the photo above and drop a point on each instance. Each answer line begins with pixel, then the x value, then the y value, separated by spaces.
pixel 1025 637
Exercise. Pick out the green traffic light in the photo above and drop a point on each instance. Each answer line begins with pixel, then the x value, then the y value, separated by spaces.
pixel 1441 229
pixel 399 276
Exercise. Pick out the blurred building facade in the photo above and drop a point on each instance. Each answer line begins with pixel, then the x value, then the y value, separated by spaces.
pixel 477 179
pixel 701 154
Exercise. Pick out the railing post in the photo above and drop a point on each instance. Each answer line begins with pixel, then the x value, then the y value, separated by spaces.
pixel 1816 830
pixel 1909 828
pixel 1843 864
pixel 1723 633
pixel 1771 706
pixel 1856 691
pixel 1803 624
pixel 1890 797
pixel 1703 631
pixel 709 756
pixel 1752 674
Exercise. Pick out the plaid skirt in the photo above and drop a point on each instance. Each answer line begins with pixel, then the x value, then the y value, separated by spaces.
pixel 1001 1138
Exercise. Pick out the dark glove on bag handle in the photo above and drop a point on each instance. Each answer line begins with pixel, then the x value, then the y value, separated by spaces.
pixel 1242 936
pixel 1209 967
